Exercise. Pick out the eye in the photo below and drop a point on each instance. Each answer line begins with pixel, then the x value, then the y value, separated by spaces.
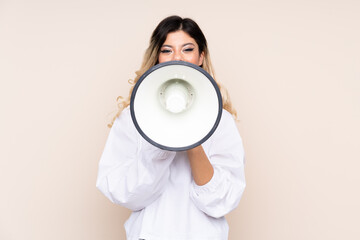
pixel 188 49
pixel 165 51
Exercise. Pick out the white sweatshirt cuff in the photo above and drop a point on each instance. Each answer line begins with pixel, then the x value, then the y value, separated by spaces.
pixel 211 186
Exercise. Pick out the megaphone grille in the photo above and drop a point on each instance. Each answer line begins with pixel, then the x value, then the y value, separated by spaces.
pixel 196 111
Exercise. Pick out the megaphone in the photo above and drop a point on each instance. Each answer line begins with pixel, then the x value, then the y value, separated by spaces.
pixel 176 105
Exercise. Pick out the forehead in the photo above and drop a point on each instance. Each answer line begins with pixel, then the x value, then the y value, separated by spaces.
pixel 178 38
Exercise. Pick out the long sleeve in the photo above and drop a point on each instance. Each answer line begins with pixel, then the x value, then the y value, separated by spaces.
pixel 132 172
pixel 225 152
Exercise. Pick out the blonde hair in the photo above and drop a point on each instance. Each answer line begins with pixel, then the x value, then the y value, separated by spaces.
pixel 151 55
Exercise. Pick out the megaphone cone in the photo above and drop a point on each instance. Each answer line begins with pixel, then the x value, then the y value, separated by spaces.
pixel 176 105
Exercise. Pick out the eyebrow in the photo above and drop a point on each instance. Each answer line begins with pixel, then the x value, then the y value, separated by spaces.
pixel 186 44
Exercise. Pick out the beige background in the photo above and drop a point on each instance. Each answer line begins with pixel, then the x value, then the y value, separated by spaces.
pixel 292 69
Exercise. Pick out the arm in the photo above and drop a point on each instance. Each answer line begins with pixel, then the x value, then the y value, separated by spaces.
pixel 224 151
pixel 132 172
pixel 201 168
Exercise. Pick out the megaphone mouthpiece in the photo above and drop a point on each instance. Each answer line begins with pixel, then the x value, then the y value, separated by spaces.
pixel 176 95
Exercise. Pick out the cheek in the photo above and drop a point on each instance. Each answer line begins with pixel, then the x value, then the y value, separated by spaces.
pixel 194 59
pixel 162 59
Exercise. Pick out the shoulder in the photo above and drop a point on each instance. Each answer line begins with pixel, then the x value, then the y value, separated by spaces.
pixel 226 129
pixel 124 123
pixel 227 115
pixel 124 117
pixel 226 139
pixel 227 120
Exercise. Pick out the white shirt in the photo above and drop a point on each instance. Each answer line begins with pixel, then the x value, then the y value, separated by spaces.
pixel 158 187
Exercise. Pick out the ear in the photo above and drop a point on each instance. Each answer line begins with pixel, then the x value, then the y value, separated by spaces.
pixel 201 59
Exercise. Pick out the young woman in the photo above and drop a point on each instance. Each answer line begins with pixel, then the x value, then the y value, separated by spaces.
pixel 174 195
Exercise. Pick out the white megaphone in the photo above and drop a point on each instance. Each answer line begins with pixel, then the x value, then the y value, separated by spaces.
pixel 176 105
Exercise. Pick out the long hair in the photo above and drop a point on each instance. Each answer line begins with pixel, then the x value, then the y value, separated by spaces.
pixel 150 59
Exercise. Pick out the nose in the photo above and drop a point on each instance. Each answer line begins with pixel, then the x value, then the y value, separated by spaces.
pixel 178 56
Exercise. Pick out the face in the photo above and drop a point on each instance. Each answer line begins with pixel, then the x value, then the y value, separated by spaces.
pixel 179 46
